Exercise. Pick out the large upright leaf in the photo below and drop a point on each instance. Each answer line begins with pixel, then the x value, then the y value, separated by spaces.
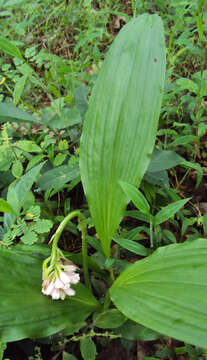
pixel 121 121
pixel 24 310
pixel 167 291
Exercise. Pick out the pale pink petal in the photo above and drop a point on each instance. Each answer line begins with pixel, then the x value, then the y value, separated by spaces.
pixel 55 294
pixel 69 292
pixel 74 278
pixel 44 291
pixel 64 277
pixel 59 284
pixel 49 289
pixel 70 268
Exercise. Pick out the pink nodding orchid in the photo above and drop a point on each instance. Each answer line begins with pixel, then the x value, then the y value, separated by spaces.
pixel 58 286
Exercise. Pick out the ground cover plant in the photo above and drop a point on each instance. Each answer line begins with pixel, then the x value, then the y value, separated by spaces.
pixel 91 266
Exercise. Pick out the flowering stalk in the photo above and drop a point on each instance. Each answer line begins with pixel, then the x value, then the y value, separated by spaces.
pixel 60 274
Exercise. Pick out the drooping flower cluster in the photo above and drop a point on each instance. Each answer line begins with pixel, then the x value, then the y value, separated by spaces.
pixel 57 283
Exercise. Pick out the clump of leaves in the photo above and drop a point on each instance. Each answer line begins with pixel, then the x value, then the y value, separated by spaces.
pixel 28 228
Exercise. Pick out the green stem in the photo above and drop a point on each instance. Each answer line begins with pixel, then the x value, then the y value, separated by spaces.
pixel 61 227
pixel 107 301
pixel 111 274
pixel 83 229
pixel 151 233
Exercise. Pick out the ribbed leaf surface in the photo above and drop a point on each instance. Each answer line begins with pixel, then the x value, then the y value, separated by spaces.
pixel 24 310
pixel 167 292
pixel 121 121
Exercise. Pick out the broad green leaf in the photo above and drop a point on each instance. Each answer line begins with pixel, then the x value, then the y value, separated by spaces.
pixel 121 122
pixel 169 211
pixel 167 291
pixel 58 177
pixel 132 246
pixel 13 200
pixel 18 89
pixel 29 201
pixel 157 178
pixel 17 169
pixel 183 140
pixel 34 160
pixel 109 319
pixel 9 113
pixel 9 48
pixel 87 348
pixel 6 207
pixel 59 159
pixel 22 188
pixel 163 160
pixel 136 197
pixel 24 185
pixel 24 310
pixel 28 146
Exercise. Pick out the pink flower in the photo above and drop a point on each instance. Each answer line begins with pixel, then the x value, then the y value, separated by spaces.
pixel 69 292
pixel 70 268
pixel 59 284
pixel 64 277
pixel 56 294
pixel 47 287
pixel 74 278
pixel 59 287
